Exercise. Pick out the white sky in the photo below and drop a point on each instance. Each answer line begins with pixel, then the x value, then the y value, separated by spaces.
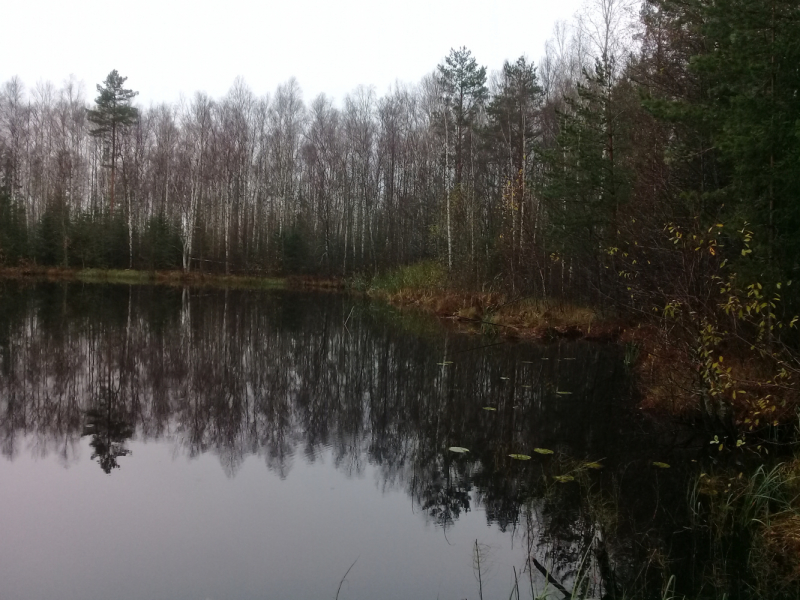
pixel 169 47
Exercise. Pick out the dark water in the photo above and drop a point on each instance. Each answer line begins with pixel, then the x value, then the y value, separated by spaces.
pixel 164 443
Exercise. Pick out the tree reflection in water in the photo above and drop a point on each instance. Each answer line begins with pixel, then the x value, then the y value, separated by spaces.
pixel 109 429
pixel 278 375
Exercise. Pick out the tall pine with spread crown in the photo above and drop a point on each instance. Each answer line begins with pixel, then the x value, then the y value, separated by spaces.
pixel 112 114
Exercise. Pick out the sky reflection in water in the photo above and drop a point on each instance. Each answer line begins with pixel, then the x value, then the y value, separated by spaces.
pixel 167 444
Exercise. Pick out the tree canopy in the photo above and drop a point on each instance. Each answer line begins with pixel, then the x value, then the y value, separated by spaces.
pixel 113 112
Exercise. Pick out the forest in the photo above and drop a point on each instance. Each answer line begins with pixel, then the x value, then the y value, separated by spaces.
pixel 647 161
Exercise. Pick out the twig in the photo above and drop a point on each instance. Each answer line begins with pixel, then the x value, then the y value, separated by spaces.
pixel 349 315
pixel 516 584
pixel 550 578
pixel 478 559
pixel 339 589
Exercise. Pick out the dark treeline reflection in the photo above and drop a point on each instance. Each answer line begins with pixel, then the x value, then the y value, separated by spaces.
pixel 284 376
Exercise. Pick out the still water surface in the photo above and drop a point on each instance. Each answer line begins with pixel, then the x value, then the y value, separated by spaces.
pixel 166 443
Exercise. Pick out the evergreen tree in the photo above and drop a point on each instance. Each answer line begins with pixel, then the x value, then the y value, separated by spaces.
pixel 13 229
pixel 587 179
pixel 509 139
pixel 751 69
pixel 464 84
pixel 112 114
pixel 465 93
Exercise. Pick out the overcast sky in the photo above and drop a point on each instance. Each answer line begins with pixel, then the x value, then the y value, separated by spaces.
pixel 169 47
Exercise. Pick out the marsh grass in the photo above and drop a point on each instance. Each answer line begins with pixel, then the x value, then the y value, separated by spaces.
pixel 532 313
pixel 760 511
pixel 427 275
pixel 115 276
pixel 426 286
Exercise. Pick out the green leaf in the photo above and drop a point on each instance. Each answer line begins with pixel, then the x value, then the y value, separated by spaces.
pixel 520 456
pixel 458 449
pixel 542 451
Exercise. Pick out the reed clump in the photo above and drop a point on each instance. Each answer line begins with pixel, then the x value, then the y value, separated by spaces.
pixel 762 510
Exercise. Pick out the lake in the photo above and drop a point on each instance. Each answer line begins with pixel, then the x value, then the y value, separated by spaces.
pixel 210 444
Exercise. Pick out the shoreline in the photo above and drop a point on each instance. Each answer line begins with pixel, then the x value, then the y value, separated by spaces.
pixel 663 366
pixel 514 318
pixel 168 278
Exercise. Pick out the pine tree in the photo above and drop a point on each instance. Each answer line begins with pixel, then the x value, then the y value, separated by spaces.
pixel 750 68
pixel 588 179
pixel 465 93
pixel 586 184
pixel 509 140
pixel 112 114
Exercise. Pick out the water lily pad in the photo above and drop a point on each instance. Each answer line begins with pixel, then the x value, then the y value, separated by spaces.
pixel 593 465
pixel 660 465
pixel 492 408
pixel 458 449
pixel 564 478
pixel 542 451
pixel 520 456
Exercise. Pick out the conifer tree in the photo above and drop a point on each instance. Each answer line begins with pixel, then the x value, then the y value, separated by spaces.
pixel 112 114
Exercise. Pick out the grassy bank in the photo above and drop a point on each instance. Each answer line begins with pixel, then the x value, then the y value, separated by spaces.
pixel 170 278
pixel 425 286
pixel 742 391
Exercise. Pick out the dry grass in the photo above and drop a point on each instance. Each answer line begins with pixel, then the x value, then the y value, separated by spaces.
pixel 777 552
pixel 782 546
pixel 509 316
pixel 426 286
pixel 535 314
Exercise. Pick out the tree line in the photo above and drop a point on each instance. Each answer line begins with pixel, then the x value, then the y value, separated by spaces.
pixel 595 175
